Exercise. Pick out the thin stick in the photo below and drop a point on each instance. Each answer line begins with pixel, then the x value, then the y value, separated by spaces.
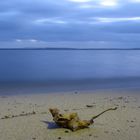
pixel 103 112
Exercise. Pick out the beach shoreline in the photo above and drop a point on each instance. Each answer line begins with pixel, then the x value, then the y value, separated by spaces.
pixel 37 123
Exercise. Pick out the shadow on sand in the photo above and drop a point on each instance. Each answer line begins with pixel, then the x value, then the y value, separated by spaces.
pixel 51 125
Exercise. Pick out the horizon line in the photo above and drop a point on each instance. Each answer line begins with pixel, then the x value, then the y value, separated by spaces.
pixel 69 48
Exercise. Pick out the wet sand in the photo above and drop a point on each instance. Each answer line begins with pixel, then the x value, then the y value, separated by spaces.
pixel 27 116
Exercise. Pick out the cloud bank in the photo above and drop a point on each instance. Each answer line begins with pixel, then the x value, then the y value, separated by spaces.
pixel 69 21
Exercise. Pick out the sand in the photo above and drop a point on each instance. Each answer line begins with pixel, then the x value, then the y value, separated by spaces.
pixel 37 123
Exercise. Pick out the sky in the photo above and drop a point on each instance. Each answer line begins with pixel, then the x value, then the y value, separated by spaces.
pixel 69 23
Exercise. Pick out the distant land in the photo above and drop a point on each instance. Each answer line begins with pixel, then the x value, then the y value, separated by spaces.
pixel 69 49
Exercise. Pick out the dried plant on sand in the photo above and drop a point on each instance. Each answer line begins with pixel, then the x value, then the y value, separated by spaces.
pixel 72 121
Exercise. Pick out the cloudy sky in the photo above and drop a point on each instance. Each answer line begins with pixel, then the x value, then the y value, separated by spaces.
pixel 42 23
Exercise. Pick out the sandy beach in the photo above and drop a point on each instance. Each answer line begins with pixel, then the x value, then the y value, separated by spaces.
pixel 26 117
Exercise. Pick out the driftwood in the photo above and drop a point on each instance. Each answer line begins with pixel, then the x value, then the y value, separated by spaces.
pixel 72 121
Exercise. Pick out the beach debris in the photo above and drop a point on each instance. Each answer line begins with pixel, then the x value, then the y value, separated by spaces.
pixel 6 117
pixel 20 115
pixel 66 131
pixel 72 121
pixel 118 130
pixel 132 126
pixel 89 106
pixel 120 98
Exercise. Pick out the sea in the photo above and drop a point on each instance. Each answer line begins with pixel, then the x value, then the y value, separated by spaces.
pixel 65 70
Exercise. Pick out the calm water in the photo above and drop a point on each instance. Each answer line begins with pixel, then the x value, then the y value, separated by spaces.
pixel 53 66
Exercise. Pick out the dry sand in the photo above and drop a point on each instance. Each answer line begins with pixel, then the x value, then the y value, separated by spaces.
pixel 37 124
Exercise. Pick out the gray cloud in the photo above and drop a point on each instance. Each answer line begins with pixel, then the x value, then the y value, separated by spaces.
pixel 63 20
